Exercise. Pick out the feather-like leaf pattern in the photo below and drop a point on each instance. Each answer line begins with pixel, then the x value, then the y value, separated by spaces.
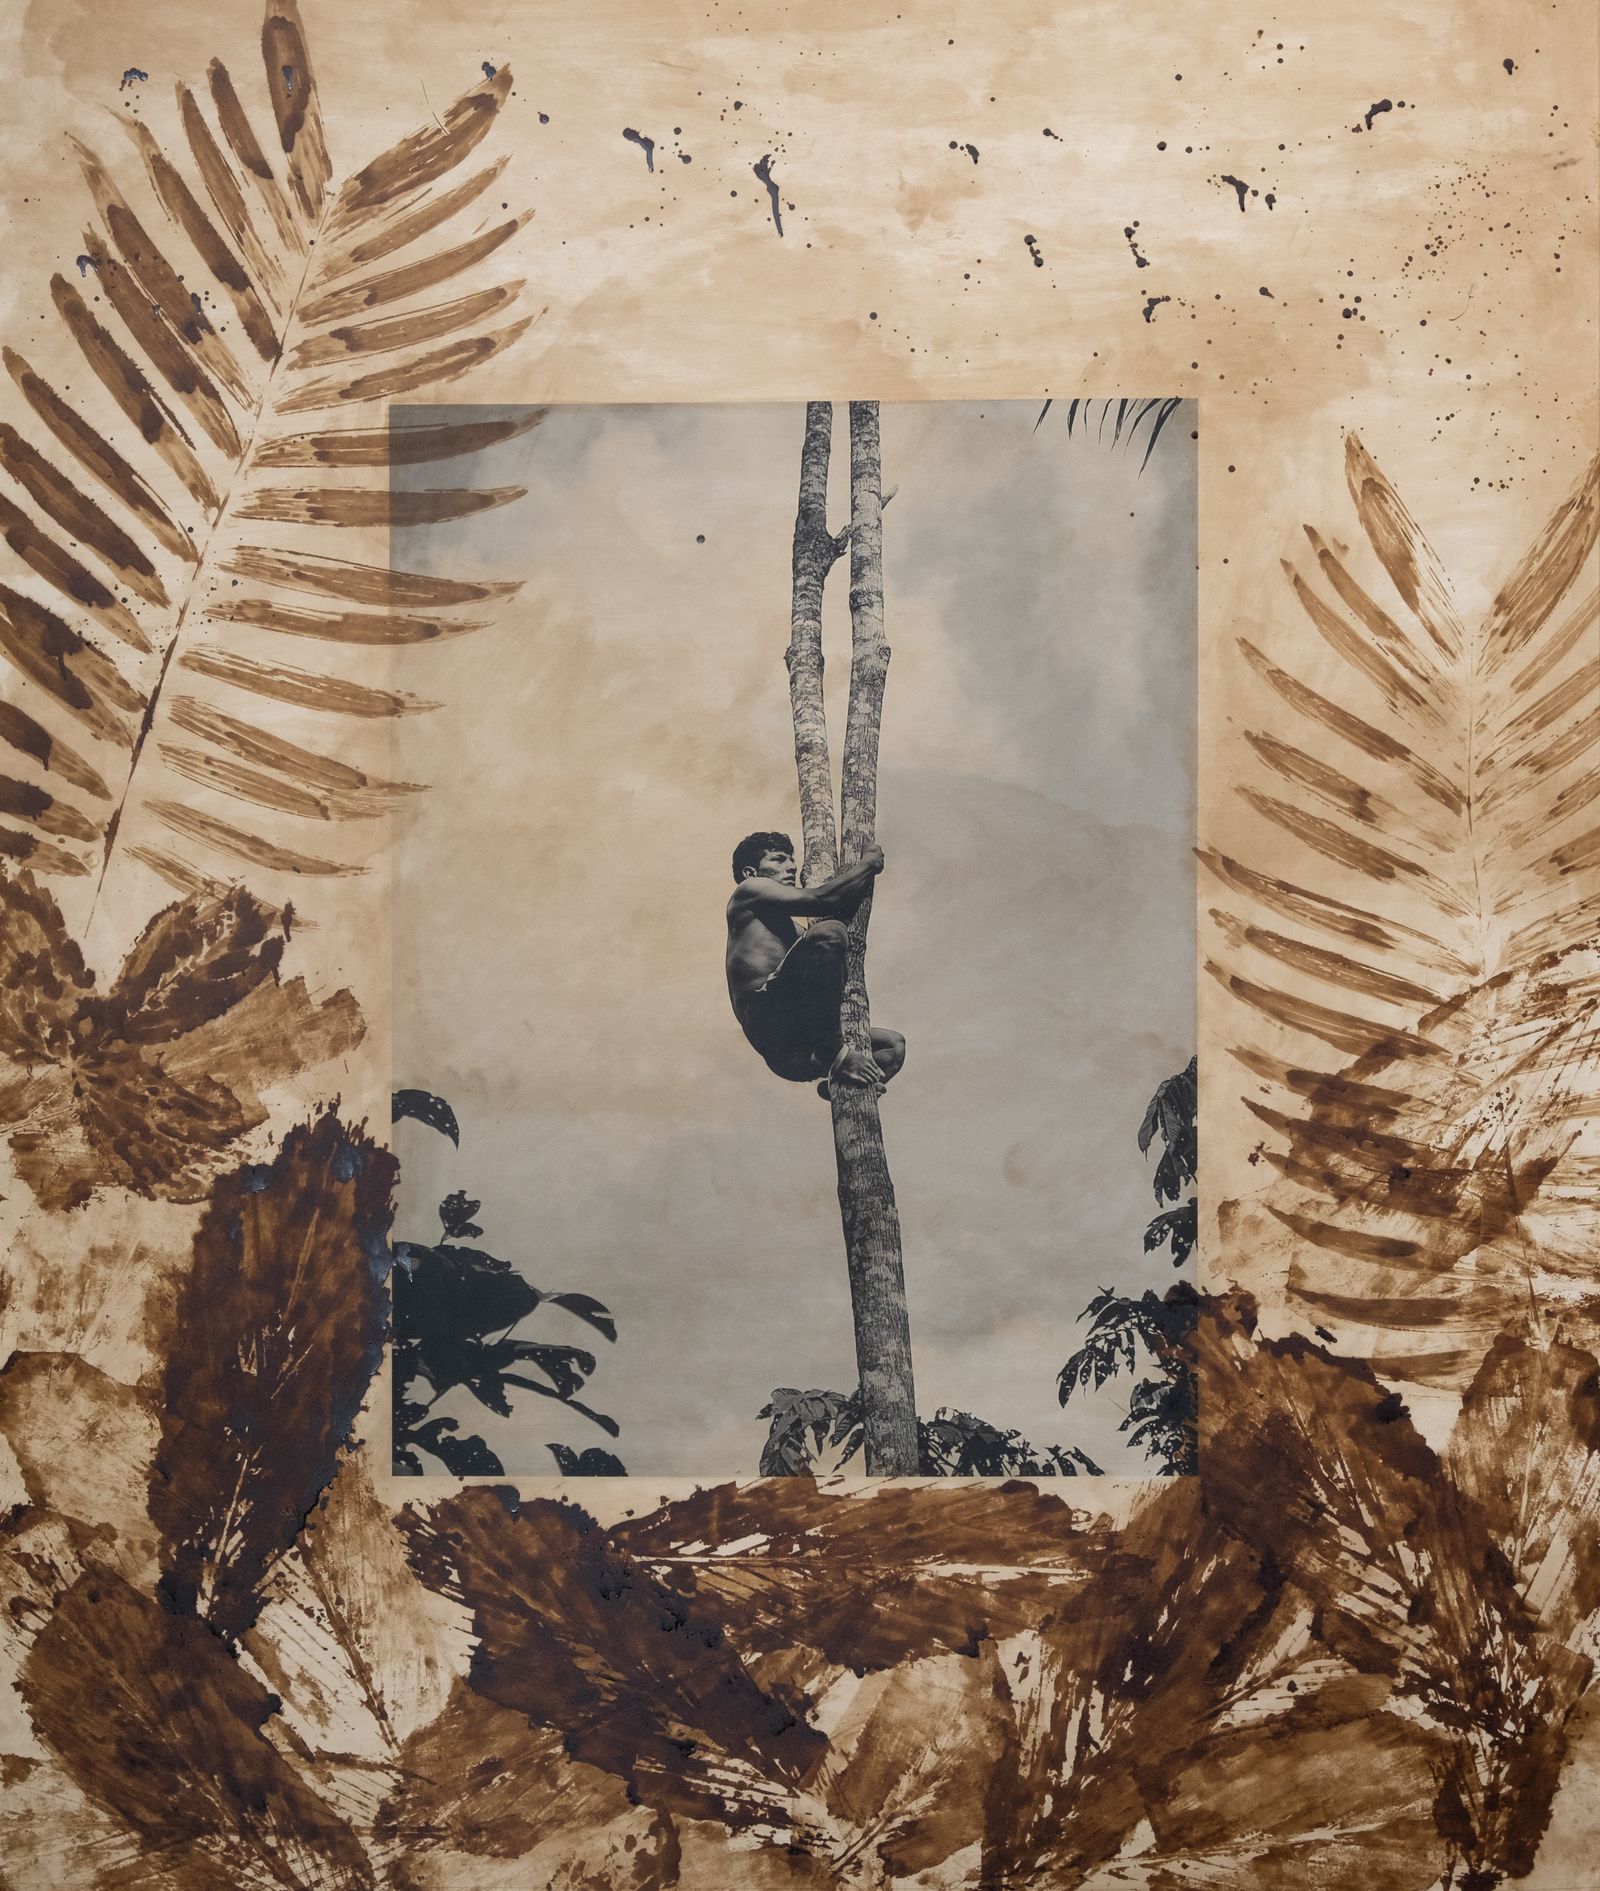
pixel 1445 777
pixel 234 290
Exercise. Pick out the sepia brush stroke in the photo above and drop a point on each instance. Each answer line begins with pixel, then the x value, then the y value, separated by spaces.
pixel 409 444
pixel 396 284
pixel 481 1785
pixel 97 456
pixel 301 687
pixel 363 584
pixel 347 792
pixel 339 261
pixel 78 516
pixel 357 627
pixel 424 156
pixel 347 505
pixel 133 392
pixel 224 838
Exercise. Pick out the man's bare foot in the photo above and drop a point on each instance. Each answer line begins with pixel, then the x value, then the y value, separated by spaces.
pixel 859 1068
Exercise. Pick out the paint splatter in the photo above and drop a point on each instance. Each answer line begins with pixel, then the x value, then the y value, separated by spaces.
pixel 1053 134
pixel 1509 64
pixel 1034 251
pixel 132 76
pixel 488 70
pixel 85 264
pixel 1372 111
pixel 646 145
pixel 1240 186
pixel 1143 262
pixel 763 170
pixel 1153 304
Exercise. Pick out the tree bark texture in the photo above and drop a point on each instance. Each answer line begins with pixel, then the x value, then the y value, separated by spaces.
pixel 866 1191
pixel 814 554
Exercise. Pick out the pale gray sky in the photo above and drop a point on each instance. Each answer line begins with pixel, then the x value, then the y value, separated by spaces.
pixel 559 928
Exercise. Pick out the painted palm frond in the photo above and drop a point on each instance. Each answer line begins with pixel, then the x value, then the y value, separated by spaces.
pixel 241 313
pixel 1416 942
pixel 1121 416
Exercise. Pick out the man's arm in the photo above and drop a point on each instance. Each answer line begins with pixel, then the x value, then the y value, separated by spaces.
pixel 835 898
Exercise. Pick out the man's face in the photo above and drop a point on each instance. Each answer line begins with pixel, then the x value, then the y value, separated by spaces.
pixel 777 866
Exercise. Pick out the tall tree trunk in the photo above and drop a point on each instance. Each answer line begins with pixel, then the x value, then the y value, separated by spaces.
pixel 815 551
pixel 866 1193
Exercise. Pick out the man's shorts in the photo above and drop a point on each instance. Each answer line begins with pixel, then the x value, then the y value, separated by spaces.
pixel 792 1016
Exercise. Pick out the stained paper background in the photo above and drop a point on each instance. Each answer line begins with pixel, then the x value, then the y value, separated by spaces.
pixel 1357 1649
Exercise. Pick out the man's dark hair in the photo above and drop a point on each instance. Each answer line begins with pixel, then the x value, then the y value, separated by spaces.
pixel 749 851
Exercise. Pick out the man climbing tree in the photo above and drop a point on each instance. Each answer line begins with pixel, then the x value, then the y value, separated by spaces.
pixel 787 986
pixel 802 997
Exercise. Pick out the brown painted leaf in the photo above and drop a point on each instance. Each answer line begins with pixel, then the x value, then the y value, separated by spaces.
pixel 132 390
pixel 1115 1694
pixel 1316 1465
pixel 343 792
pixel 578 1636
pixel 155 1722
pixel 362 584
pixel 483 1785
pixel 238 844
pixel 411 444
pixel 867 1580
pixel 395 232
pixel 903 1779
pixel 146 1130
pixel 358 627
pixel 98 456
pixel 31 738
pixel 148 1086
pixel 182 312
pixel 256 222
pixel 43 979
pixel 410 279
pixel 265 260
pixel 194 961
pixel 361 1654
pixel 1347 1807
pixel 302 687
pixel 279 1331
pixel 426 155
pixel 84 1442
pixel 1451 963
pixel 67 667
pixel 183 208
pixel 1526 1448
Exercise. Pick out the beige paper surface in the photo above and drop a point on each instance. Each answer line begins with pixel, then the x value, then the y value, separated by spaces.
pixel 1357 1645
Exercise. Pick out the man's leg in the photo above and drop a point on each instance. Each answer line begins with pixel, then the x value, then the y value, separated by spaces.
pixel 800 1004
pixel 888 1050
